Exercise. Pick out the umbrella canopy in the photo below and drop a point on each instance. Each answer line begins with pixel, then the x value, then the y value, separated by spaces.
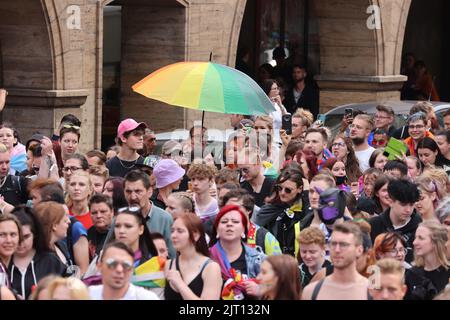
pixel 206 86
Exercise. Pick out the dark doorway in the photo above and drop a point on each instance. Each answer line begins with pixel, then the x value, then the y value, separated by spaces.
pixel 426 32
pixel 112 41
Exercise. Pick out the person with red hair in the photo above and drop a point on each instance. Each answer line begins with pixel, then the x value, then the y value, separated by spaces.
pixel 239 263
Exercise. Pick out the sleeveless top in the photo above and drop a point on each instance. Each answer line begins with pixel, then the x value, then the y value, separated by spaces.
pixel 196 285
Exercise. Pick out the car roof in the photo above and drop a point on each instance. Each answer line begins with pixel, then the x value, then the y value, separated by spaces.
pixel 399 107
pixel 183 134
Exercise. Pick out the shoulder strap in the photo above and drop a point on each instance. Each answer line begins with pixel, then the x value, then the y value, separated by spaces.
pixel 204 265
pixel 317 289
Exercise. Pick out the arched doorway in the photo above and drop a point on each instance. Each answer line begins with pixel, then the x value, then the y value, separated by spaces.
pixel 425 35
pixel 35 66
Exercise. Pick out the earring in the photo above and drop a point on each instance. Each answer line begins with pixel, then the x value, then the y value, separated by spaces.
pixel 217 236
pixel 243 235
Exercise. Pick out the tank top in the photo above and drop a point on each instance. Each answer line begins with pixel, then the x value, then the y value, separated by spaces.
pixel 196 285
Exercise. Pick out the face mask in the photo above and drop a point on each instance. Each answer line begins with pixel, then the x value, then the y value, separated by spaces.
pixel 331 205
pixel 340 180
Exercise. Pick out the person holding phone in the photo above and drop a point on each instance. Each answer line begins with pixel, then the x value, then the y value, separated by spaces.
pixel 272 89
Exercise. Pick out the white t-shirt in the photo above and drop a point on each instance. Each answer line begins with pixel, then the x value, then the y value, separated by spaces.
pixel 363 158
pixel 277 122
pixel 133 293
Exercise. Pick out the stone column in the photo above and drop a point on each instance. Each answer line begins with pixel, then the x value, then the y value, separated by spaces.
pixel 360 52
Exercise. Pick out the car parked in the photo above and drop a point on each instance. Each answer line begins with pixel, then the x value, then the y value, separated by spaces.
pixel 333 118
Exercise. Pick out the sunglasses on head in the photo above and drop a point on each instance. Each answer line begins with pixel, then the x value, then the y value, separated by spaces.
pixel 112 263
pixel 67 126
pixel 129 209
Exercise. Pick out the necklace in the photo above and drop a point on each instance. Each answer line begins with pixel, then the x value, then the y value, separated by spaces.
pixel 121 163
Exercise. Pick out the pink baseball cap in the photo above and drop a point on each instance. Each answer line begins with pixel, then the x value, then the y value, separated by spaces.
pixel 129 125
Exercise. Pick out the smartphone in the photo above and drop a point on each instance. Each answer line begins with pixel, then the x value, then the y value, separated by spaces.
pixel 349 112
pixel 286 123
pixel 320 122
pixel 354 187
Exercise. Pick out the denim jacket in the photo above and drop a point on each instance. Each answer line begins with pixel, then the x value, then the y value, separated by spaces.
pixel 253 258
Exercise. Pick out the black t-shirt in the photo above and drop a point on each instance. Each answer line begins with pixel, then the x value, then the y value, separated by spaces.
pixel 96 241
pixel 14 190
pixel 119 168
pixel 439 277
pixel 265 190
pixel 306 276
pixel 156 201
pixel 240 264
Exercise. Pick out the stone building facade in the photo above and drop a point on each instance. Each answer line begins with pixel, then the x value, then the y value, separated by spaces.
pixel 51 63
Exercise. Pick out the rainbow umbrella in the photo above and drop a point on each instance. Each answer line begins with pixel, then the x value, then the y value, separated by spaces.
pixel 206 86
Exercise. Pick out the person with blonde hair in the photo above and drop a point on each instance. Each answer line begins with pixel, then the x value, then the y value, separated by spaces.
pixel 301 121
pixel 79 191
pixel 179 203
pixel 431 264
pixel 67 289
pixel 40 291
pixel 430 196
pixel 440 177
pixel 391 284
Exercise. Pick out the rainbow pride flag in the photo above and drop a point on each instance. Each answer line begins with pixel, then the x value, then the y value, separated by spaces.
pixel 150 274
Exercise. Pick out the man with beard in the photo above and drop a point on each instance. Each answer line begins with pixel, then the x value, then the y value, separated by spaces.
pixel 316 140
pixel 345 283
pixel 302 95
pixel 359 133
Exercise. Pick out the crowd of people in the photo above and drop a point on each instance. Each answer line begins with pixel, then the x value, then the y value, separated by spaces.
pixel 274 215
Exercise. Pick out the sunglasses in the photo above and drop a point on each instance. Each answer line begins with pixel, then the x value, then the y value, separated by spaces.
pixel 286 190
pixel 112 264
pixel 378 142
pixel 245 170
